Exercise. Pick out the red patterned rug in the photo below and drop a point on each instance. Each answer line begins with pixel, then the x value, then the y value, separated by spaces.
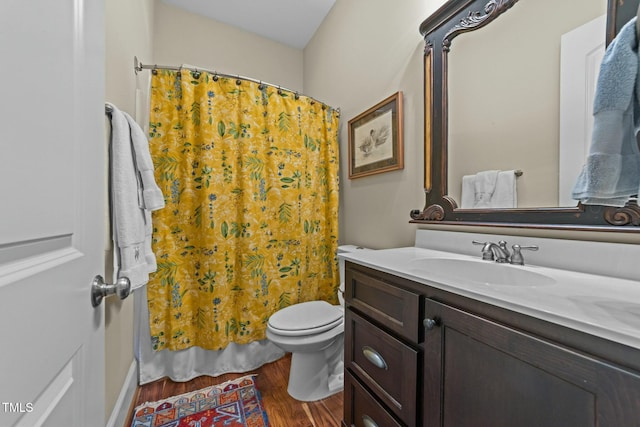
pixel 236 403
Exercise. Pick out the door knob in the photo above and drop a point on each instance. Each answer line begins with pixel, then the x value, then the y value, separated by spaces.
pixel 99 289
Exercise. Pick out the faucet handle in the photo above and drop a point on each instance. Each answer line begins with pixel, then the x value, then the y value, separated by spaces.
pixel 516 257
pixel 503 246
pixel 487 253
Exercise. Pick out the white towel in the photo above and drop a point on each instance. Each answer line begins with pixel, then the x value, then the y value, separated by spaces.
pixel 489 189
pixel 484 186
pixel 134 194
pixel 505 194
pixel 152 198
pixel 468 191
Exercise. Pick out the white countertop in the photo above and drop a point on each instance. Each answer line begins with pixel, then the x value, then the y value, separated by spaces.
pixel 600 305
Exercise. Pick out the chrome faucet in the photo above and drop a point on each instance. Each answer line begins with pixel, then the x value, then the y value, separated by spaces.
pixel 499 252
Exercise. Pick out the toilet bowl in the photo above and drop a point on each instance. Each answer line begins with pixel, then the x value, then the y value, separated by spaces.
pixel 313 332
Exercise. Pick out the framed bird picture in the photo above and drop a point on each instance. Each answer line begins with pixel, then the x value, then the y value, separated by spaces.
pixel 375 139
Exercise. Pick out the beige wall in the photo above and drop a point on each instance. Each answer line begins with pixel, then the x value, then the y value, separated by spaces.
pixel 129 32
pixel 186 38
pixel 365 51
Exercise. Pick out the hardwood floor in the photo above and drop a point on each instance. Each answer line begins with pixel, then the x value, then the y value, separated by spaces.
pixel 282 409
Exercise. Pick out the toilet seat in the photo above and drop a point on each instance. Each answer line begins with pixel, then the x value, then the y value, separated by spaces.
pixel 306 318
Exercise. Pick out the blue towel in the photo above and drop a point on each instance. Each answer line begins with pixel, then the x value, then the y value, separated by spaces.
pixel 612 170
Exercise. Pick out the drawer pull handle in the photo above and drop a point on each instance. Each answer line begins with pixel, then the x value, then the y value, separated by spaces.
pixel 368 422
pixel 374 357
pixel 429 324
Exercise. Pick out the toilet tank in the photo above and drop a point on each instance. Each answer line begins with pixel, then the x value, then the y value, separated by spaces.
pixel 341 250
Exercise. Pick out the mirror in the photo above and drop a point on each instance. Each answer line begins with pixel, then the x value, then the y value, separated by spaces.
pixel 505 115
pixel 492 102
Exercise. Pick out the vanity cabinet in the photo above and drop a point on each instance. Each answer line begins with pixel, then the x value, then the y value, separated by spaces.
pixel 453 361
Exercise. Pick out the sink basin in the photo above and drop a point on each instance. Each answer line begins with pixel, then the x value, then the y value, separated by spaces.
pixel 466 271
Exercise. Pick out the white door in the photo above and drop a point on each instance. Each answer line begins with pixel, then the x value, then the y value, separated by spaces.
pixel 52 191
pixel 581 54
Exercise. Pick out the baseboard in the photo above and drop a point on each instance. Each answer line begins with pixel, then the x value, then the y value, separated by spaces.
pixel 120 411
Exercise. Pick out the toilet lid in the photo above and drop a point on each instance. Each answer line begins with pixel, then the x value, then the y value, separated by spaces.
pixel 306 318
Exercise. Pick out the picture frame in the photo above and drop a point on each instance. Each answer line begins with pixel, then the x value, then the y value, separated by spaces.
pixel 375 139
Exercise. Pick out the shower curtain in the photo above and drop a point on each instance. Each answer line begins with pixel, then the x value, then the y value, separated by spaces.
pixel 250 178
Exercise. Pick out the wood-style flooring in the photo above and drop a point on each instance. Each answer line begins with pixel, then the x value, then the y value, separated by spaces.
pixel 282 409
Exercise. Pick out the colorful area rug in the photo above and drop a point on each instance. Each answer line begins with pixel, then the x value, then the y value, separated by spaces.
pixel 236 403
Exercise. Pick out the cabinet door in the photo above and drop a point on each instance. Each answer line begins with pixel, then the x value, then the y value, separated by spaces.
pixel 480 373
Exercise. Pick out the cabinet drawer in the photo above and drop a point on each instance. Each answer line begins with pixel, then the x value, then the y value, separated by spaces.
pixel 395 308
pixel 386 365
pixel 361 409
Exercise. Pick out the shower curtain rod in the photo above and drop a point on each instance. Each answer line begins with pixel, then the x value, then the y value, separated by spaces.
pixel 139 66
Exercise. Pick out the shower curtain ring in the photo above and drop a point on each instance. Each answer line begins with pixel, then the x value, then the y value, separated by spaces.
pixel 238 81
pixel 215 76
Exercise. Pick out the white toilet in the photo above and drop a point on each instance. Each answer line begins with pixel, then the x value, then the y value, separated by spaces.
pixel 314 333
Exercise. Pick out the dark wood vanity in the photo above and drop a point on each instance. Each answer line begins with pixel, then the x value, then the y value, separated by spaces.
pixel 416 355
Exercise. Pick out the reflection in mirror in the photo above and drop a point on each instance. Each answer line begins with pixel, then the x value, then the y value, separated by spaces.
pixel 504 99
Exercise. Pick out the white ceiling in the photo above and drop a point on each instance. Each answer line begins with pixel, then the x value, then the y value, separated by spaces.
pixel 291 22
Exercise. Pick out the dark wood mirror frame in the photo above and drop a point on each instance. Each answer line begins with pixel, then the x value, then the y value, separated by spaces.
pixel 452 19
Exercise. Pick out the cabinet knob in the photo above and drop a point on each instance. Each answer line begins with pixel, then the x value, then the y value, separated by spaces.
pixel 429 324
pixel 374 357
pixel 368 422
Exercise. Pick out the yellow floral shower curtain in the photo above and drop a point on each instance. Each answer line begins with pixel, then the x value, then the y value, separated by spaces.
pixel 250 178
